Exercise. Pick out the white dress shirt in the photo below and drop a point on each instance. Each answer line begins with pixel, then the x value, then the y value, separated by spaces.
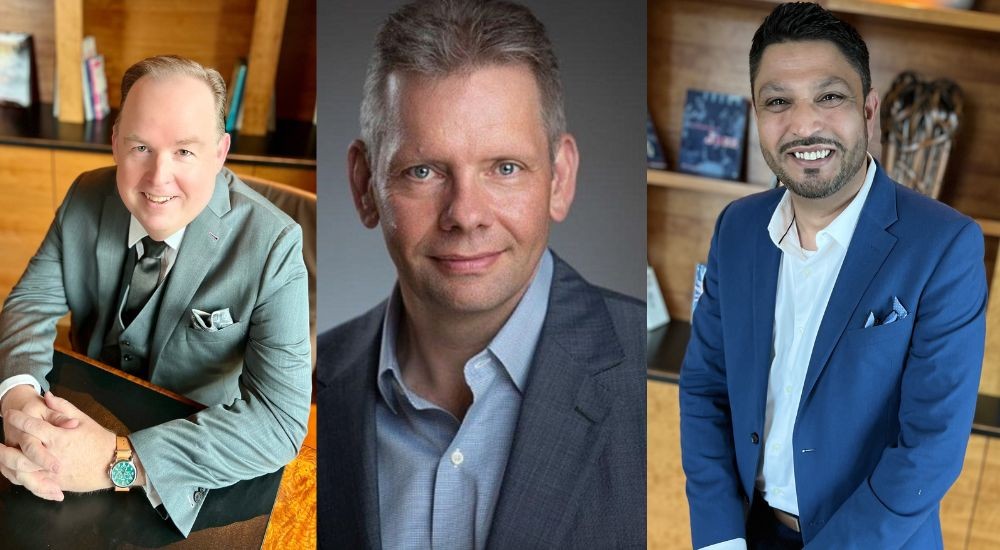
pixel 805 282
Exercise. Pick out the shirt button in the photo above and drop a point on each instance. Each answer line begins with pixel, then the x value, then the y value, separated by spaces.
pixel 801 330
pixel 457 457
pixel 788 390
pixel 777 447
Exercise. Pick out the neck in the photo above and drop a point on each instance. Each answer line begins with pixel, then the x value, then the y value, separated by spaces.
pixel 813 215
pixel 433 346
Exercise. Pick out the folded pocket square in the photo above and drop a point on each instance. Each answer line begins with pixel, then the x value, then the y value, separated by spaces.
pixel 211 322
pixel 898 313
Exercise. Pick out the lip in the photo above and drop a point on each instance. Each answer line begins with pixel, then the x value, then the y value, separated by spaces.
pixel 812 163
pixel 466 264
pixel 155 204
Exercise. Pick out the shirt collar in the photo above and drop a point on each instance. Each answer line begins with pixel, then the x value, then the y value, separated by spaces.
pixel 840 230
pixel 136 232
pixel 513 346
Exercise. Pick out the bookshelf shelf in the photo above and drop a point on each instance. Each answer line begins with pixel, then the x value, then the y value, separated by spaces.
pixel 970 20
pixel 677 180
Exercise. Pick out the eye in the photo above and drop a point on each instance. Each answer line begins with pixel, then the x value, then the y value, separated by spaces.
pixel 140 148
pixel 776 102
pixel 185 153
pixel 508 168
pixel 421 172
pixel 831 99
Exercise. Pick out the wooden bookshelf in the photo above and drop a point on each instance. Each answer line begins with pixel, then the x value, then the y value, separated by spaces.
pixel 678 180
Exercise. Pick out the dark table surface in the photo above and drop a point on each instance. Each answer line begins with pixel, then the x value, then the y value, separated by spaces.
pixel 665 348
pixel 231 517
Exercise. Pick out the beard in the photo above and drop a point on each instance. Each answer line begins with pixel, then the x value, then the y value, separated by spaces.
pixel 811 186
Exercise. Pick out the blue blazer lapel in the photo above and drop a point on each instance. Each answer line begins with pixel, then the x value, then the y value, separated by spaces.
pixel 560 431
pixel 766 264
pixel 203 238
pixel 111 250
pixel 348 474
pixel 869 248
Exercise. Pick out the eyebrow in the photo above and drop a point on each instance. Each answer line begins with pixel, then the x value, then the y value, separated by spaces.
pixel 180 142
pixel 778 88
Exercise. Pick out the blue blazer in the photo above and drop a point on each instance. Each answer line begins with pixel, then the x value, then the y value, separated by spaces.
pixel 886 411
pixel 576 475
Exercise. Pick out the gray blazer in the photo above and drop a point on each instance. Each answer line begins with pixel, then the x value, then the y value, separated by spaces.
pixel 576 475
pixel 242 253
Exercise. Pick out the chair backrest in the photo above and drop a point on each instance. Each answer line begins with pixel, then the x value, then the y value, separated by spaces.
pixel 300 206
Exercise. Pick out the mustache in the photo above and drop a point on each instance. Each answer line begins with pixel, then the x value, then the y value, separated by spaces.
pixel 810 141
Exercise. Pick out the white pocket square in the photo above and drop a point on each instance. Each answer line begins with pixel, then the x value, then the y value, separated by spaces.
pixel 211 322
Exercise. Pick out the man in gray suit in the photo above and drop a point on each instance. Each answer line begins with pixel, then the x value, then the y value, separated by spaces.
pixel 176 272
pixel 496 399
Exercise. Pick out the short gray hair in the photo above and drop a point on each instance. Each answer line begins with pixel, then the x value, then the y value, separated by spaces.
pixel 162 66
pixel 438 38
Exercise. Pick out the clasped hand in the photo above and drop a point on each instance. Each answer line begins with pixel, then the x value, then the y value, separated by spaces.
pixel 50 446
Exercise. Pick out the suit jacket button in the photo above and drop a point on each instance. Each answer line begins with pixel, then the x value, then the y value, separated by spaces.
pixel 754 438
pixel 126 357
pixel 125 343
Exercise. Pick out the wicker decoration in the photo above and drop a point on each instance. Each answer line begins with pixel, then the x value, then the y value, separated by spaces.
pixel 919 123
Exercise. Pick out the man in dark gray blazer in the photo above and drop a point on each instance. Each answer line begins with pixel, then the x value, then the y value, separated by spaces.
pixel 496 399
pixel 174 271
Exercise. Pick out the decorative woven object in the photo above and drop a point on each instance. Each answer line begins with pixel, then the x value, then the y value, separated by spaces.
pixel 919 123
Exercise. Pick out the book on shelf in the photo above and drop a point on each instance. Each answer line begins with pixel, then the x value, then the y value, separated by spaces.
pixel 656 309
pixel 98 87
pixel 654 152
pixel 713 137
pixel 237 85
pixel 18 77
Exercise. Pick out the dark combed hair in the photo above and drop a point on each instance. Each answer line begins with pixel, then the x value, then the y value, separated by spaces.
pixel 803 21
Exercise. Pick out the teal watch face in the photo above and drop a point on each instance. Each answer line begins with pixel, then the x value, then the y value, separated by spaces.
pixel 123 473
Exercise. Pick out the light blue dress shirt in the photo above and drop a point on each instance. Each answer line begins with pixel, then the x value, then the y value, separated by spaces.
pixel 439 478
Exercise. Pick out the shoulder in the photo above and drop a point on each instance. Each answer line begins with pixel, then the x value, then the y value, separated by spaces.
pixel 347 345
pixel 751 211
pixel 92 185
pixel 919 215
pixel 252 210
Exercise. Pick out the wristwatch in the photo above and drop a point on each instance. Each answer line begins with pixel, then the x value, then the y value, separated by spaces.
pixel 122 469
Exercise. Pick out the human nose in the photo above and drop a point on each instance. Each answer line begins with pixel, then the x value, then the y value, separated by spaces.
pixel 161 170
pixel 804 119
pixel 467 204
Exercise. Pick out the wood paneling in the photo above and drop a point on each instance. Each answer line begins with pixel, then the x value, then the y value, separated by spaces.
pixel 959 503
pixel 37 18
pixel 295 97
pixel 265 49
pixel 667 519
pixel 990 381
pixel 985 531
pixel 302 178
pixel 68 165
pixel 68 38
pixel 215 33
pixel 293 519
pixel 26 175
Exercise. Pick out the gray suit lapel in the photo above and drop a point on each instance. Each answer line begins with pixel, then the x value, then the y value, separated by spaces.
pixel 560 431
pixel 203 238
pixel 111 248
pixel 869 248
pixel 348 473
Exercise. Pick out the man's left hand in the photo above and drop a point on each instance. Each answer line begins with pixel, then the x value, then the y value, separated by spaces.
pixel 84 452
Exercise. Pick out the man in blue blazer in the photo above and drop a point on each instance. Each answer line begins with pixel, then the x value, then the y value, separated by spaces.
pixel 496 400
pixel 829 385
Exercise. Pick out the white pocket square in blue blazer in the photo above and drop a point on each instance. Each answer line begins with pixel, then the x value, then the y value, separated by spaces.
pixel 211 322
pixel 898 313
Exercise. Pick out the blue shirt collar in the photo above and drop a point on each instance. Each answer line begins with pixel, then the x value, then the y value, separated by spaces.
pixel 513 346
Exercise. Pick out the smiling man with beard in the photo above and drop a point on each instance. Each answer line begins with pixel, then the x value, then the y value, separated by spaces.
pixel 496 399
pixel 829 385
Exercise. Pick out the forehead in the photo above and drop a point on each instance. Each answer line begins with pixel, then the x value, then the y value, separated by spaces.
pixel 170 102
pixel 793 64
pixel 480 103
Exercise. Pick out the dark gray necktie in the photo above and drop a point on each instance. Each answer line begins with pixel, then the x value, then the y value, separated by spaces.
pixel 145 276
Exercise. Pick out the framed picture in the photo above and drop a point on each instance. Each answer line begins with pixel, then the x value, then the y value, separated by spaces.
pixel 18 78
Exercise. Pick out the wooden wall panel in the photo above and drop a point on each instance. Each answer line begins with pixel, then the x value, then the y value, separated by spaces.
pixel 213 32
pixel 985 530
pixel 295 96
pixel 679 225
pixel 36 17
pixel 27 212
pixel 959 504
pixel 67 165
pixel 302 178
pixel 667 519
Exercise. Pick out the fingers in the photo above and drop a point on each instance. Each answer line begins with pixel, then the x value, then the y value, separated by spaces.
pixel 32 426
pixel 37 434
pixel 15 460
pixel 39 483
pixel 60 405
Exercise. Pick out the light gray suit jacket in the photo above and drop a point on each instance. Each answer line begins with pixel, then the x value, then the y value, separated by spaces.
pixel 240 253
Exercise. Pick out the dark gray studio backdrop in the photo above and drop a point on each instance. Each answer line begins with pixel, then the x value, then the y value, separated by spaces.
pixel 602 52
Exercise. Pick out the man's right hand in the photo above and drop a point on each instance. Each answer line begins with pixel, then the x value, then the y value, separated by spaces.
pixel 24 460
